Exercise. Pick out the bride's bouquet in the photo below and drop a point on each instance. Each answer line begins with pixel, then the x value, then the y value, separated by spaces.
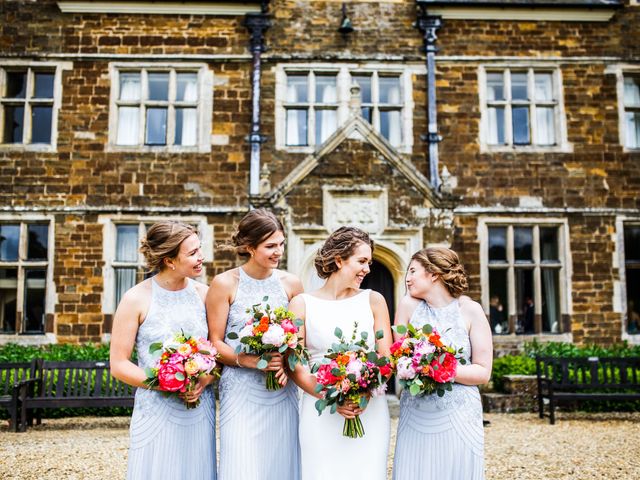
pixel 182 360
pixel 269 331
pixel 422 363
pixel 350 372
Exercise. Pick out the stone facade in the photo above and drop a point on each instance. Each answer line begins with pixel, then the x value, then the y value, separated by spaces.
pixel 585 184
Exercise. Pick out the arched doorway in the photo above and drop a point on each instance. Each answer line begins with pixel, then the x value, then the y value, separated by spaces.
pixel 381 280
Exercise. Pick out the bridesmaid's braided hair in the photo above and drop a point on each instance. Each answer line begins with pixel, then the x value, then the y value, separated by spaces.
pixel 254 228
pixel 163 240
pixel 445 264
pixel 340 244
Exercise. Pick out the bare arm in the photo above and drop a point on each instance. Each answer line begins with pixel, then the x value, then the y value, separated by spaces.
pixel 407 306
pixel 292 285
pixel 478 371
pixel 126 321
pixel 381 322
pixel 302 375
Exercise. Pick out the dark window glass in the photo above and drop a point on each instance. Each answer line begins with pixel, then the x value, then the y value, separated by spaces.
pixel 125 279
pixel 34 298
pixel 367 114
pixel 156 126
pixel 37 242
pixel 8 298
pixel 521 126
pixel 633 300
pixel 522 244
pixel 9 241
pixel 549 244
pixel 524 299
pixel 159 86
pixel 519 86
pixel 364 82
pixel 13 124
pixel 41 124
pixel 497 244
pixel 550 301
pixel 43 85
pixel 498 301
pixel 632 243
pixel 16 84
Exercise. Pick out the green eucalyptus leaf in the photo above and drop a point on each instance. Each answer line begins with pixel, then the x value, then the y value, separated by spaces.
pixel 179 376
pixel 400 329
pixel 318 388
pixel 335 372
pixel 321 405
pixel 155 347
pixel 262 364
pixel 334 407
pixel 427 329
pixel 379 334
pixel 414 389
pixel 363 402
pixel 283 348
pixel 232 335
pixel 293 360
pixel 265 298
pixel 338 332
pixel 440 392
pixel 149 372
pixel 364 335
pixel 298 322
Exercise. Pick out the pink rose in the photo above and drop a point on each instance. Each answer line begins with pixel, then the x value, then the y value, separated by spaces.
pixel 167 377
pixel 446 371
pixel 293 341
pixel 324 375
pixel 288 326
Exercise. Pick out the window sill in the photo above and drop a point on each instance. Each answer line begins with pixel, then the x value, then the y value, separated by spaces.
pixel 21 147
pixel 526 149
pixel 159 149
pixel 630 150
pixel 28 338
pixel 632 338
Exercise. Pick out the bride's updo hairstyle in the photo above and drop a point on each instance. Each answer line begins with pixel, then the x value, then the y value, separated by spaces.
pixel 340 244
pixel 254 228
pixel 163 240
pixel 445 264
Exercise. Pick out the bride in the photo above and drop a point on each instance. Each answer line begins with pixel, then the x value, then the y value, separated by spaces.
pixel 343 261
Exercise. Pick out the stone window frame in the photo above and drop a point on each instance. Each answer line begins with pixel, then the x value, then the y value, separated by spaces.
pixel 23 264
pixel 620 72
pixel 204 114
pixel 560 118
pixel 344 72
pixel 564 277
pixel 109 233
pixel 56 68
pixel 620 286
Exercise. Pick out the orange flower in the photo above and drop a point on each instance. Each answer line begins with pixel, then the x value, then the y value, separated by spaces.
pixel 342 359
pixel 264 320
pixel 434 338
pixel 263 327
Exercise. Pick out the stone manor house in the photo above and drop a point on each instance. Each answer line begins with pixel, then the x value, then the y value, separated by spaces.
pixel 509 130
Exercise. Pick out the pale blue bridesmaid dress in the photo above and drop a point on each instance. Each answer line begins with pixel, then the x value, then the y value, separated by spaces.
pixel 441 437
pixel 258 427
pixel 167 440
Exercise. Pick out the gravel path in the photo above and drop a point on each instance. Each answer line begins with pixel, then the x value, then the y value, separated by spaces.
pixel 518 446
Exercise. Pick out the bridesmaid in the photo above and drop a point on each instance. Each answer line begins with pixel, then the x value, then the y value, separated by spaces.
pixel 258 427
pixel 167 440
pixel 443 437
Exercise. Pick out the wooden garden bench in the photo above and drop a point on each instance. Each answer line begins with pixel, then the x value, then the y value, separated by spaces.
pixel 11 375
pixel 72 384
pixel 568 379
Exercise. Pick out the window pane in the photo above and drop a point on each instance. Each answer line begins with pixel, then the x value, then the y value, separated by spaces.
pixel 128 125
pixel 158 86
pixel 496 126
pixel 364 82
pixel 13 124
pixel 41 124
pixel 631 92
pixel 127 243
pixel 632 243
pixel 391 127
pixel 633 300
pixel 186 126
pixel 389 90
pixel 37 242
pixel 156 126
pixel 9 241
pixel 43 85
pixel 296 127
pixel 524 300
pixel 16 85
pixel 521 126
pixel 34 298
pixel 326 89
pixel 497 244
pixel 544 87
pixel 549 244
pixel 130 86
pixel 495 86
pixel 545 126
pixel 632 127
pixel 125 279
pixel 367 114
pixel 187 87
pixel 519 86
pixel 297 88
pixel 522 244
pixel 498 301
pixel 550 301
pixel 8 299
pixel 326 122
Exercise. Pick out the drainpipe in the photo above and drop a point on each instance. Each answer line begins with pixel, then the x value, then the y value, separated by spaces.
pixel 429 25
pixel 257 23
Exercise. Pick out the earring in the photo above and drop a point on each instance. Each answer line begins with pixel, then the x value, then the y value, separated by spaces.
pixel 173 267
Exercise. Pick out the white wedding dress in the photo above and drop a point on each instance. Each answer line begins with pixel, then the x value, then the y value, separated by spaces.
pixel 326 453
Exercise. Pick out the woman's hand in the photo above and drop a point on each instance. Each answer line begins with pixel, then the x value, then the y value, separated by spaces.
pixel 350 410
pixel 276 364
pixel 192 396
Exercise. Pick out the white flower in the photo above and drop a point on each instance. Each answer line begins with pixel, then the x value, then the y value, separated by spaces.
pixel 405 369
pixel 424 348
pixel 247 331
pixel 273 336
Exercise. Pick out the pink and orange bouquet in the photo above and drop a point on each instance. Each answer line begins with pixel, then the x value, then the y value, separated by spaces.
pixel 269 331
pixel 182 360
pixel 350 372
pixel 422 362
